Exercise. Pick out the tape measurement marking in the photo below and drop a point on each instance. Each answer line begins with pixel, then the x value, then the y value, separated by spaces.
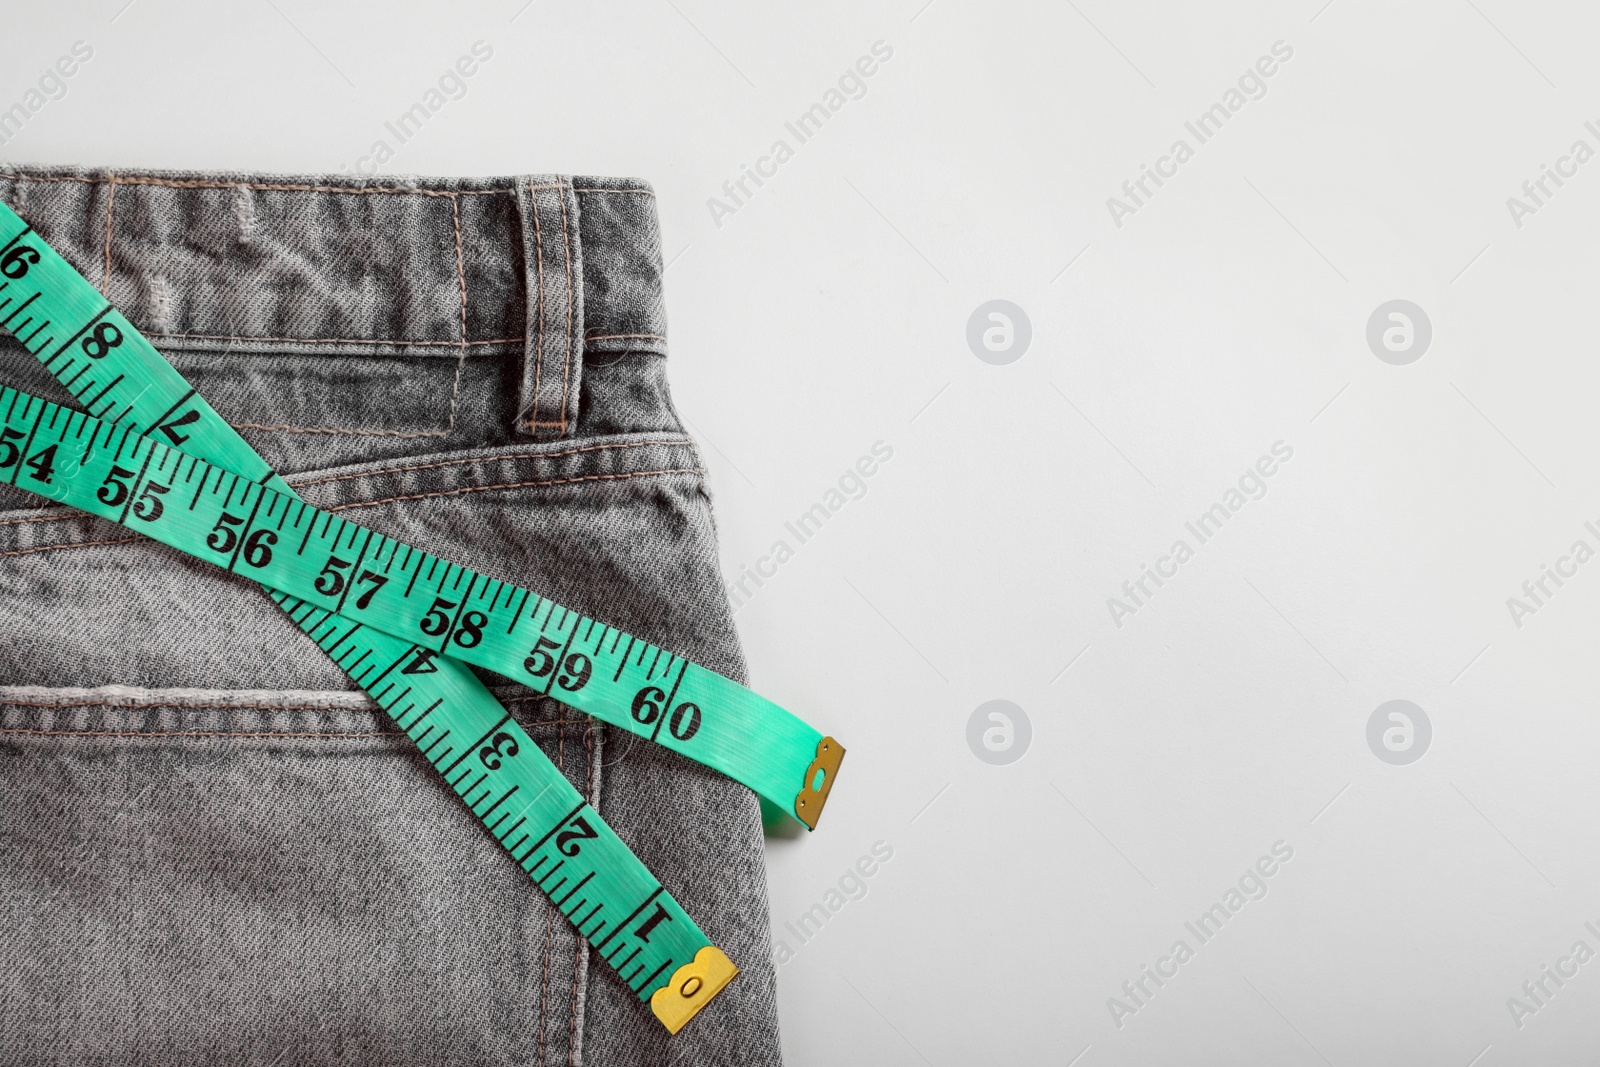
pixel 515 792
pixel 445 606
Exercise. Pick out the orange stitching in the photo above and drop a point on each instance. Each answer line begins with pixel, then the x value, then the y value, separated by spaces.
pixel 455 384
pixel 42 518
pixel 171 183
pixel 109 703
pixel 333 340
pixel 74 514
pixel 105 274
pixel 212 733
pixel 284 427
pixel 384 340
pixel 73 544
pixel 114 180
pixel 472 459
pixel 461 281
pixel 284 187
pixel 514 485
pixel 455 389
pixel 388 340
pixel 409 496
pixel 566 255
pixel 538 271
pixel 190 733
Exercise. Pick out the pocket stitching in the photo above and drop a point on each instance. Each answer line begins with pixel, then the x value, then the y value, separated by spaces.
pixel 513 485
pixel 535 454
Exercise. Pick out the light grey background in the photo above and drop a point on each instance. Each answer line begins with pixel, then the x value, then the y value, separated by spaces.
pixel 1229 312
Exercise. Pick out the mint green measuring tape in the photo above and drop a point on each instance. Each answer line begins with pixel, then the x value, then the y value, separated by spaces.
pixel 152 455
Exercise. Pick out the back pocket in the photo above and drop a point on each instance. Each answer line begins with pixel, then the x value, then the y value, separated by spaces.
pixel 243 876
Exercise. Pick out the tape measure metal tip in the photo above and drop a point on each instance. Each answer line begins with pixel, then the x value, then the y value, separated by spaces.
pixel 239 510
pixel 692 987
pixel 818 782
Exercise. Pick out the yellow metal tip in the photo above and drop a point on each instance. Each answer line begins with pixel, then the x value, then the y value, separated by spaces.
pixel 692 987
pixel 815 789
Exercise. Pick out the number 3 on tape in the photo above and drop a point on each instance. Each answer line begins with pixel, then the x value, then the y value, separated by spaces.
pixel 153 456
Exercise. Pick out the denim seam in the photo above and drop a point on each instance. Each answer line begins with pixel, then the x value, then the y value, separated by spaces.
pixel 513 485
pixel 392 190
pixel 70 544
pixel 341 340
pixel 538 270
pixel 366 431
pixel 173 183
pixel 75 514
pixel 195 733
pixel 461 282
pixel 105 272
pixel 298 735
pixel 279 427
pixel 41 518
pixel 455 386
pixel 533 423
pixel 566 258
pixel 472 459
pixel 111 703
pixel 383 500
pixel 385 340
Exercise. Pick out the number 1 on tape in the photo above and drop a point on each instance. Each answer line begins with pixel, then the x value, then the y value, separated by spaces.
pixel 587 871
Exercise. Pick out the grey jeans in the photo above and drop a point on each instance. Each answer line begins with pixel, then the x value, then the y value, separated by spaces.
pixel 212 848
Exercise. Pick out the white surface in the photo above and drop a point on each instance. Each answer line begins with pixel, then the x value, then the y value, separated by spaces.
pixel 1229 313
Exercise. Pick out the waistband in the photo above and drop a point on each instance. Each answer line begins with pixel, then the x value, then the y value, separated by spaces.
pixel 545 266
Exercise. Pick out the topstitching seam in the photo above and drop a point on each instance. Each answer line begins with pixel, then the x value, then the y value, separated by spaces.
pixel 105 271
pixel 477 459
pixel 291 187
pixel 566 255
pixel 538 270
pixel 455 384
pixel 514 485
pixel 73 514
pixel 387 500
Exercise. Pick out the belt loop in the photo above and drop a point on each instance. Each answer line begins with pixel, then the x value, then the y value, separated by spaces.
pixel 553 350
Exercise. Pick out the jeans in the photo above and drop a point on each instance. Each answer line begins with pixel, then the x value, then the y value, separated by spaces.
pixel 212 847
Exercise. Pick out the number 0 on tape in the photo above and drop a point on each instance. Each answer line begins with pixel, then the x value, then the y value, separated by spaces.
pixel 151 454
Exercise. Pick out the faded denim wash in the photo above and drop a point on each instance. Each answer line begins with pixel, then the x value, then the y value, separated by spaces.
pixel 213 849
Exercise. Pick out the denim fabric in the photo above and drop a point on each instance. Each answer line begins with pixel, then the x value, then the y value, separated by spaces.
pixel 212 848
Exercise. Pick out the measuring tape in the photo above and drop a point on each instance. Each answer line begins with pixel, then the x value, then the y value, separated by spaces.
pixel 400 622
